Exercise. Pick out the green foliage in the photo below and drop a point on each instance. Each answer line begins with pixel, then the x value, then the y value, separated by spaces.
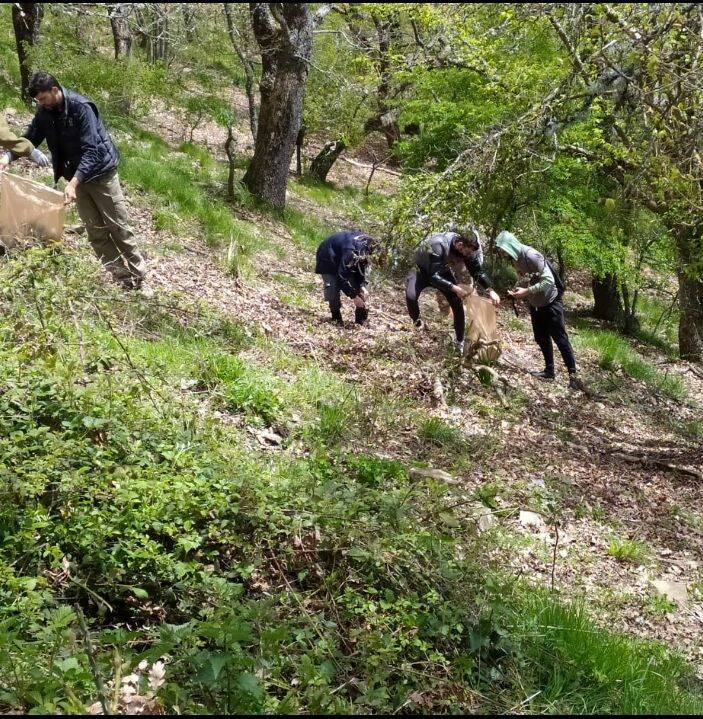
pixel 628 550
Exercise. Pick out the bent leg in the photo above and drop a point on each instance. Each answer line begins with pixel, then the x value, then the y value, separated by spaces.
pixel 457 306
pixel 413 288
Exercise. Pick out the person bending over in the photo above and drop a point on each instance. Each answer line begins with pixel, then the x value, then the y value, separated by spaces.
pixel 342 260
pixel 434 259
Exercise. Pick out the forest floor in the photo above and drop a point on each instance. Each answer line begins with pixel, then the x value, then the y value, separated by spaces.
pixel 594 494
pixel 586 473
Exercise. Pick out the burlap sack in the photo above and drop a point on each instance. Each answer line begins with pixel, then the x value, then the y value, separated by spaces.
pixel 481 326
pixel 29 209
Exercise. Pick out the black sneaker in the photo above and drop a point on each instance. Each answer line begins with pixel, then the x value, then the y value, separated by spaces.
pixel 544 374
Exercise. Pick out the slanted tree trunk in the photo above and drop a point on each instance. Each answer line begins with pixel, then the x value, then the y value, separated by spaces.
pixel 118 14
pixel 26 20
pixel 249 77
pixel 690 300
pixel 607 301
pixel 284 34
pixel 327 156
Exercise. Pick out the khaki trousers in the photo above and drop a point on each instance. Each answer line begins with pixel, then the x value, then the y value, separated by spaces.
pixel 102 208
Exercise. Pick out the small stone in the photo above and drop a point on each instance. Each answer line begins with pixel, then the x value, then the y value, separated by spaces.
pixel 437 474
pixel 530 519
pixel 676 591
pixel 486 521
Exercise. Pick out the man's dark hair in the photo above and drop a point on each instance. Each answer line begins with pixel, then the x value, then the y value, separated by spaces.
pixel 469 237
pixel 41 82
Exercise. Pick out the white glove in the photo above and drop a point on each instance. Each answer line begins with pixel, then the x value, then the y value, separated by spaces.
pixel 38 157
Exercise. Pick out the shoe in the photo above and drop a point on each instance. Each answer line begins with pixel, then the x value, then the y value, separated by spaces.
pixel 575 382
pixel 543 375
pixel 420 325
pixel 459 347
pixel 337 321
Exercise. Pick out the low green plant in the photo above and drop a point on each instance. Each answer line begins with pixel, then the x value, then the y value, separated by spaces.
pixel 659 605
pixel 628 550
pixel 437 432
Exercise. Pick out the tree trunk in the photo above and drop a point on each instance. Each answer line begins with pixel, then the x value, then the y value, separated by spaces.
pixel 387 31
pixel 118 14
pixel 249 78
pixel 299 150
pixel 284 34
pixel 189 21
pixel 607 300
pixel 231 158
pixel 159 40
pixel 26 20
pixel 327 156
pixel 690 298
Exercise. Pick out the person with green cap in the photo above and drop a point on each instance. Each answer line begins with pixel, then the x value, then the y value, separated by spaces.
pixel 544 295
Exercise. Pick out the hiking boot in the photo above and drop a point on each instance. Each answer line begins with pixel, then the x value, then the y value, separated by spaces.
pixel 544 374
pixel 419 325
pixel 575 382
pixel 459 347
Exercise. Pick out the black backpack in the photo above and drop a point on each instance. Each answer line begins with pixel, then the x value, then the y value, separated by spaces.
pixel 558 282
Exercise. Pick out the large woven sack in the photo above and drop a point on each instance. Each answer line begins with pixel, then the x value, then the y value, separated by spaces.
pixel 481 327
pixel 29 209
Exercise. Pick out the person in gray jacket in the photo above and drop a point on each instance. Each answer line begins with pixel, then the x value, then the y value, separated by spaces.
pixel 543 295
pixel 434 259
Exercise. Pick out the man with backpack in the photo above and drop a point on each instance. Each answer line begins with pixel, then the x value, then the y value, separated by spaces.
pixel 544 295
pixel 83 153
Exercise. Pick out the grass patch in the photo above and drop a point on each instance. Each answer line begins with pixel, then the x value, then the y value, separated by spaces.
pixel 573 667
pixel 441 434
pixel 628 551
pixel 616 353
pixel 183 193
pixel 307 231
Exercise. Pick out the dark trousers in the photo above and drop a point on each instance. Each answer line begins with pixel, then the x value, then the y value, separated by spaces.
pixel 417 282
pixel 334 299
pixel 548 325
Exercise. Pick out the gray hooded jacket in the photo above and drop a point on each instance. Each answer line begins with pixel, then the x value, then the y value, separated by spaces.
pixel 542 290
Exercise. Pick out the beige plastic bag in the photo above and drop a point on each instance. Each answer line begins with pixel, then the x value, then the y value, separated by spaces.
pixel 29 209
pixel 481 326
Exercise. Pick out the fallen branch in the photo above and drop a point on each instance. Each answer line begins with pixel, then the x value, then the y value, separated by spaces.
pixel 658 463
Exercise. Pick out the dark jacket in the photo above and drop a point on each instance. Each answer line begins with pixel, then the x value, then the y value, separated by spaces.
pixel 435 256
pixel 344 254
pixel 79 143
